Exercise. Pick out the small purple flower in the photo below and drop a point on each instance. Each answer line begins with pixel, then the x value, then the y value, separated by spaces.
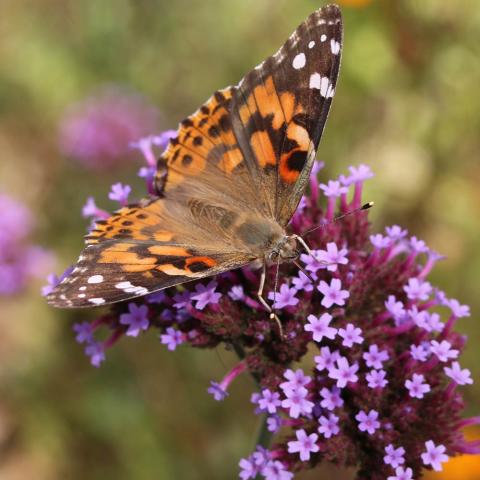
pixel 319 327
pixel 297 402
pixel 396 308
pixel 217 391
pixel 90 208
pixel 269 401
pixel 285 297
pixel 419 352
pixel 84 332
pixel 236 293
pixel 376 378
pixel 302 282
pixel 274 423
pixel 350 335
pixel 343 373
pixel 333 293
pixel 304 445
pixel 402 474
pixel 418 290
pixel 368 422
pixel 312 262
pixel 172 338
pixel 156 297
pixel 418 246
pixel 374 358
pixel 328 425
pixel 457 309
pixel 248 468
pixel 459 376
pixel 295 379
pixel 53 280
pixel 358 174
pixel 333 189
pixel 332 256
pixel 396 233
pixel 443 350
pixel 430 322
pixel 326 360
pixel 379 241
pixel 96 352
pixel 394 456
pixel 136 319
pixel 161 141
pixel 275 470
pixel 206 295
pixel 434 455
pixel 331 399
pixel 182 299
pixel 120 193
pixel 416 387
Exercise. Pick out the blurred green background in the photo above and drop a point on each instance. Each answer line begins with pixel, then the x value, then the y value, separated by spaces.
pixel 407 104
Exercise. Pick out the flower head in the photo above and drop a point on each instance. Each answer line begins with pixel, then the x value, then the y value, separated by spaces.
pixel 385 350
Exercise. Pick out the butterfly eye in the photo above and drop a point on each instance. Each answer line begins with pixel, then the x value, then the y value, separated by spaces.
pixel 273 255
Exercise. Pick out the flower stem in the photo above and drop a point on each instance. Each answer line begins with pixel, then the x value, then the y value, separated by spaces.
pixel 264 437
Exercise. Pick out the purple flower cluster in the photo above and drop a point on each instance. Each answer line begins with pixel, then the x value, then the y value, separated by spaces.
pixel 97 131
pixel 19 259
pixel 381 392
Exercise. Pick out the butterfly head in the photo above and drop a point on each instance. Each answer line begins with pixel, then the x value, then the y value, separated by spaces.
pixel 286 249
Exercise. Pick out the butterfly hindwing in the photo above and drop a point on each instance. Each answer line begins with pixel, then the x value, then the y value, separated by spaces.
pixel 142 249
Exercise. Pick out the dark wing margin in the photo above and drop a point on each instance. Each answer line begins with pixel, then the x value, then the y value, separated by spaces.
pixel 280 108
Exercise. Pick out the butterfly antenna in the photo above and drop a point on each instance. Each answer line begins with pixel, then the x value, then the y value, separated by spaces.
pixel 365 206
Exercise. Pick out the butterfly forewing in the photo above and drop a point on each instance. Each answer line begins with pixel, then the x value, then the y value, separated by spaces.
pixel 281 107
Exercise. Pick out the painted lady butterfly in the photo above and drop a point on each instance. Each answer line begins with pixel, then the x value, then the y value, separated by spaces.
pixel 227 185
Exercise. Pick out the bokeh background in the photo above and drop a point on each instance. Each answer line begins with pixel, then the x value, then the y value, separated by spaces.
pixel 407 104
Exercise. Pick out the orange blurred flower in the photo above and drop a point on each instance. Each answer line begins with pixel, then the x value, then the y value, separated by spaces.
pixel 355 3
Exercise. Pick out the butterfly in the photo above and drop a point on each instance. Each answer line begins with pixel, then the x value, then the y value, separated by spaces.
pixel 226 186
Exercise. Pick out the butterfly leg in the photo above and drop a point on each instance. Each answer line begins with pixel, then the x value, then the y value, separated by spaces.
pixel 273 316
pixel 309 251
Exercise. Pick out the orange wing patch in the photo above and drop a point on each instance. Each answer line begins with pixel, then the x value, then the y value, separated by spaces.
pixel 134 222
pixel 204 138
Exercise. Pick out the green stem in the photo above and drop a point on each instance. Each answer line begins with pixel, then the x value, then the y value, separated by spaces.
pixel 264 436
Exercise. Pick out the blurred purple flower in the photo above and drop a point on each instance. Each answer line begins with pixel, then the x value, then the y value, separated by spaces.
pixel 20 261
pixel 97 131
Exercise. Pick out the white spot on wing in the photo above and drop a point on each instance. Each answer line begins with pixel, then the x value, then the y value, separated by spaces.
pixel 311 44
pixel 123 285
pixel 96 301
pixel 323 84
pixel 83 288
pixel 334 46
pixel 323 37
pixel 299 61
pixel 95 279
pixel 81 295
